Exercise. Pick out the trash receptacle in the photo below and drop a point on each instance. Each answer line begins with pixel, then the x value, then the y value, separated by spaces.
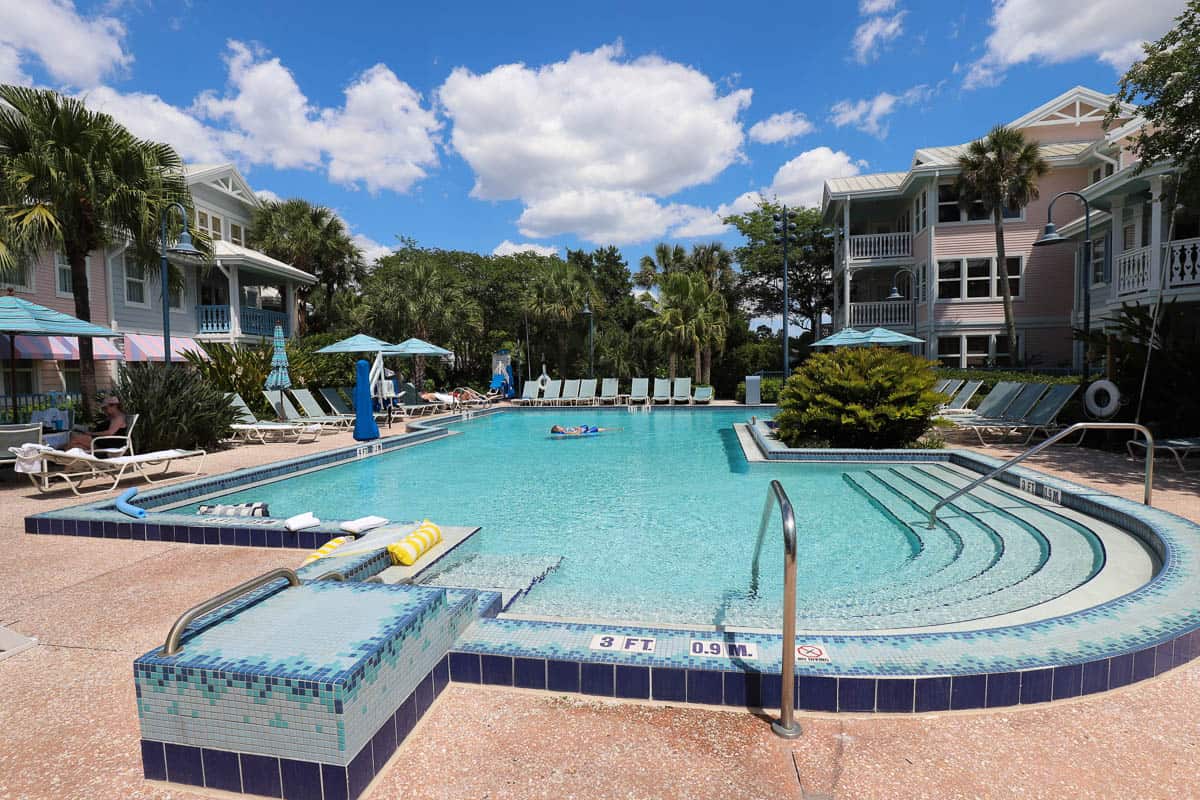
pixel 753 390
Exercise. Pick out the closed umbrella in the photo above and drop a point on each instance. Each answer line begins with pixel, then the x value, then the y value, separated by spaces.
pixel 279 377
pixel 20 317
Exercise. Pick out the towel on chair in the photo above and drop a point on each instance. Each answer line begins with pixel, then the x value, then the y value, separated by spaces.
pixel 29 458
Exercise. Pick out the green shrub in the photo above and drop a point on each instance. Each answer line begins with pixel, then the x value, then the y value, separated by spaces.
pixel 991 377
pixel 177 407
pixel 858 397
pixel 768 390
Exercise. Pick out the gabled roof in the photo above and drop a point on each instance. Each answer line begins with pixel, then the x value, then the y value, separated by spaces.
pixel 228 251
pixel 224 178
pixel 1074 106
pixel 948 156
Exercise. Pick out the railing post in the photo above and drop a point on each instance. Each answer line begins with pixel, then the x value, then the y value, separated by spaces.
pixel 786 726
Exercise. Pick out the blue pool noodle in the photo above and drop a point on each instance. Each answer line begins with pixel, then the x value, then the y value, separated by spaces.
pixel 124 506
pixel 365 426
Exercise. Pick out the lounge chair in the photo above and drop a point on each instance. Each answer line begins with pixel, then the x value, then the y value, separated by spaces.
pixel 77 467
pixel 337 402
pixel 530 394
pixel 960 401
pixel 1043 417
pixel 949 387
pixel 587 392
pixel 551 393
pixel 291 414
pixel 996 402
pixel 13 436
pixel 703 395
pixel 1013 417
pixel 940 386
pixel 610 392
pixel 116 445
pixel 682 392
pixel 1179 448
pixel 570 392
pixel 249 428
pixel 662 391
pixel 639 391
pixel 312 408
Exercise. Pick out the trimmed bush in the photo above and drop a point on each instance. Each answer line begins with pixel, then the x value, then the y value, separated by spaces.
pixel 177 407
pixel 768 390
pixel 872 397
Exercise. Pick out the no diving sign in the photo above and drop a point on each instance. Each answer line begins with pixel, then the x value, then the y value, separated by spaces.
pixel 812 654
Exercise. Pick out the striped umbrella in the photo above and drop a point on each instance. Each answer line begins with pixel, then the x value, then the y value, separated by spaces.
pixel 279 378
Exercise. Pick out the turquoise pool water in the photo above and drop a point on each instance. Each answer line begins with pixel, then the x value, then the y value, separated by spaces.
pixel 657 522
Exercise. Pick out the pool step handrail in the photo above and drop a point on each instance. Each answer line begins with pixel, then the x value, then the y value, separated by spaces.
pixel 1147 491
pixel 172 646
pixel 786 726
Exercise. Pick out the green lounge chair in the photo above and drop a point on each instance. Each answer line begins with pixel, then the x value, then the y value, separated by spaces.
pixel 940 386
pixel 683 391
pixel 1013 417
pixel 960 401
pixel 703 395
pixel 995 403
pixel 311 408
pixel 336 402
pixel 610 391
pixel 639 391
pixel 662 391
pixel 249 428
pixel 290 413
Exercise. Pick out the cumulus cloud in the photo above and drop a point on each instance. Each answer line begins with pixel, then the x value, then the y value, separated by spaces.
pixel 267 196
pixel 869 115
pixel 150 117
pixel 75 50
pixel 370 248
pixel 583 142
pixel 781 128
pixel 1110 31
pixel 507 248
pixel 866 7
pixel 876 31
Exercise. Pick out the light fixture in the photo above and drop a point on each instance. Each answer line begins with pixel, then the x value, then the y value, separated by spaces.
pixel 1050 235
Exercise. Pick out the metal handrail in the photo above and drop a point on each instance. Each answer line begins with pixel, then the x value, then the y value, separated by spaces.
pixel 172 644
pixel 1147 493
pixel 786 726
pixel 332 575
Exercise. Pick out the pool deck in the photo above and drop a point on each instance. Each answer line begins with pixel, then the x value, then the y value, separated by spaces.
pixel 96 604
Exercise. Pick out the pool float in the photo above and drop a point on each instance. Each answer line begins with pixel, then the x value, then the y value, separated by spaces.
pixel 579 434
pixel 125 507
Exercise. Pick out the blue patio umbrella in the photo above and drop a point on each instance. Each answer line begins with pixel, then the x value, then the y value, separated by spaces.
pixel 885 336
pixel 279 377
pixel 358 343
pixel 845 336
pixel 416 347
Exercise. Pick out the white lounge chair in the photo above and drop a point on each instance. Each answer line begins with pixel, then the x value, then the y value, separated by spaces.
pixel 249 428
pixel 77 467
pixel 683 391
pixel 662 391
pixel 311 408
pixel 570 392
pixel 703 395
pixel 290 413
pixel 587 392
pixel 116 445
pixel 1179 448
pixel 551 394
pixel 529 394
pixel 639 392
pixel 610 392
pixel 13 436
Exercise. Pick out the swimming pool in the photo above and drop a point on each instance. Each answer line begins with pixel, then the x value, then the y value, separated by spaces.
pixel 656 522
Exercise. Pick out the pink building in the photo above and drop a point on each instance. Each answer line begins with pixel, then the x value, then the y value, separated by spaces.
pixel 907 230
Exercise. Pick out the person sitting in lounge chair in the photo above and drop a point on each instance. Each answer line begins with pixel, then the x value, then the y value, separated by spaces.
pixel 117 425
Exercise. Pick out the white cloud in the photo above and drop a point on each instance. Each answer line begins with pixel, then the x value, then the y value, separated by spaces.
pixel 588 144
pixel 267 196
pixel 781 128
pixel 866 7
pixel 1110 31
pixel 370 248
pixel 869 115
pixel 874 34
pixel 507 248
pixel 150 117
pixel 73 49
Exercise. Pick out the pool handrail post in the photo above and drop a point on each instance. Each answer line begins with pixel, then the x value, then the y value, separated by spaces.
pixel 786 726
pixel 172 646
pixel 1147 490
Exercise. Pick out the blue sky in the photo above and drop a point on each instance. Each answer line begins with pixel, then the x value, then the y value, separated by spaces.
pixel 558 124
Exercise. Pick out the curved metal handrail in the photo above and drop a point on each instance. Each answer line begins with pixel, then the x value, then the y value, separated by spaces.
pixel 332 575
pixel 172 644
pixel 786 726
pixel 1147 492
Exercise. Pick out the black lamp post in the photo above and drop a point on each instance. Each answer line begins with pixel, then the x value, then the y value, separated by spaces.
pixel 587 312
pixel 183 247
pixel 784 221
pixel 912 290
pixel 1051 236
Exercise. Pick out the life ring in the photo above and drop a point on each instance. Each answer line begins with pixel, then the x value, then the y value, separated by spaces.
pixel 1092 403
pixel 542 380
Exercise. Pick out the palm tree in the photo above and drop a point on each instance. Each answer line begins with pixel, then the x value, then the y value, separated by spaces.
pixel 666 260
pixel 557 295
pixel 715 263
pixel 679 323
pixel 1000 172
pixel 312 238
pixel 75 180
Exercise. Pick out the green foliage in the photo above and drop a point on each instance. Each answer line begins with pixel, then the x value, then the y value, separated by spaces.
pixel 769 389
pixel 1163 85
pixel 873 397
pixel 177 407
pixel 242 370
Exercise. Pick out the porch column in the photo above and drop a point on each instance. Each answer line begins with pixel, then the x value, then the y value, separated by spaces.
pixel 1157 263
pixel 1118 243
pixel 837 256
pixel 846 294
pixel 289 301
pixel 235 305
pixel 846 263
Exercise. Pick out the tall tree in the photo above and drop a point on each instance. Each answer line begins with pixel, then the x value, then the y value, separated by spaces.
pixel 1000 173
pixel 75 180
pixel 312 238
pixel 1163 85
pixel 667 258
pixel 557 297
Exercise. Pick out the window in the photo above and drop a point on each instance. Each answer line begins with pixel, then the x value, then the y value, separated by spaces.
pixel 63 284
pixel 20 278
pixel 214 227
pixel 949 280
pixel 23 372
pixel 175 298
pixel 976 211
pixel 948 210
pixel 921 212
pixel 979 277
pixel 202 220
pixel 1011 212
pixel 235 233
pixel 1014 277
pixel 922 283
pixel 135 281
pixel 1145 226
pixel 1129 237
pixel 1101 172
pixel 976 354
pixel 1099 256
pixel 975 350
pixel 949 350
pixel 70 375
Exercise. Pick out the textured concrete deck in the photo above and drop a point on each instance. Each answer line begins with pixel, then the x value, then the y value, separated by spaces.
pixel 68 726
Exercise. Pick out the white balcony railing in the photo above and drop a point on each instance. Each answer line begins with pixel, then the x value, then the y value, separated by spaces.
pixel 881 245
pixel 1133 271
pixel 886 314
pixel 1181 259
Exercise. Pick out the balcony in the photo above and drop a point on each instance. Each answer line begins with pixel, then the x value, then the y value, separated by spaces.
pixel 254 321
pixel 880 246
pixel 1134 270
pixel 881 314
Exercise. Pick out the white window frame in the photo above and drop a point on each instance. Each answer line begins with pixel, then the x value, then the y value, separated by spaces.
pixel 126 261
pixel 240 239
pixel 962 212
pixel 993 279
pixel 177 309
pixel 21 367
pixel 994 337
pixel 28 285
pixel 920 212
pixel 1099 245
pixel 60 263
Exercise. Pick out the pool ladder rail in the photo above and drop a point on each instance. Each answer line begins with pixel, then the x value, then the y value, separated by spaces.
pixel 786 726
pixel 1079 427
pixel 173 646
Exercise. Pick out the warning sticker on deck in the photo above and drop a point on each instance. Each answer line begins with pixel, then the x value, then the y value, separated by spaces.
pixel 812 654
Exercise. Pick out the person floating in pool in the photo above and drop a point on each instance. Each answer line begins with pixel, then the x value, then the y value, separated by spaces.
pixel 579 430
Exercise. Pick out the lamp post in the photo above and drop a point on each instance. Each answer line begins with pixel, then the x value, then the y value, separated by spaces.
pixel 183 247
pixel 783 221
pixel 912 291
pixel 1051 236
pixel 587 312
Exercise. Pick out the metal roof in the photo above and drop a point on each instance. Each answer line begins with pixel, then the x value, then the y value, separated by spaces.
pixel 948 155
pixel 880 181
pixel 260 261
